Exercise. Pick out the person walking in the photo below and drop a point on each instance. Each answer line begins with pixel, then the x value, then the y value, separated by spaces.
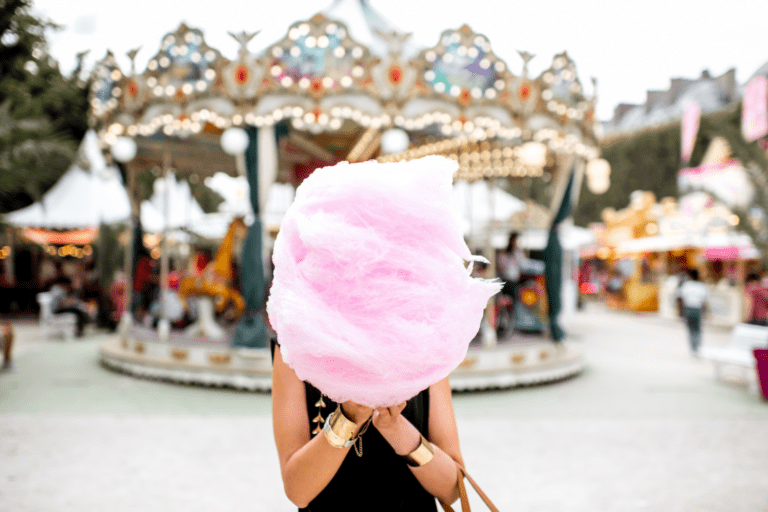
pixel 693 295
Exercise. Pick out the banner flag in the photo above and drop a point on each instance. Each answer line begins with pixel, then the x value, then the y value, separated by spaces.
pixel 754 113
pixel 691 119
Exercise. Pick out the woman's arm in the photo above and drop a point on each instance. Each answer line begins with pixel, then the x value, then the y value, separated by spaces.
pixel 307 463
pixel 440 475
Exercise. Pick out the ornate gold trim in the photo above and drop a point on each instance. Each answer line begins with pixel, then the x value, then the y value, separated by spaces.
pixel 219 358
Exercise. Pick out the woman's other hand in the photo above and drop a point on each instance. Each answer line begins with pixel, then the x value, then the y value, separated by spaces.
pixel 385 418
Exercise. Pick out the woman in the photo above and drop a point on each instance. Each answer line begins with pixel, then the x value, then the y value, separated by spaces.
pixel 391 467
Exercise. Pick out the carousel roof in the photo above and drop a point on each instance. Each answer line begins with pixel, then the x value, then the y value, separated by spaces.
pixel 370 27
pixel 326 76
pixel 90 193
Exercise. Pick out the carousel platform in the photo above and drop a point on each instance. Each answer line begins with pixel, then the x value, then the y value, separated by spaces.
pixel 518 361
pixel 188 360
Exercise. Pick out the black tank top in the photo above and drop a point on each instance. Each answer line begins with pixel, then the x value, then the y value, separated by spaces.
pixel 379 480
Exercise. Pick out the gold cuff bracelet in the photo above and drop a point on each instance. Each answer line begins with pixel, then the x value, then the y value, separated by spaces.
pixel 339 430
pixel 421 455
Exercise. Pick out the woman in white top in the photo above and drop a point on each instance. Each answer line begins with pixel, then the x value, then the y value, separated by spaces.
pixel 693 294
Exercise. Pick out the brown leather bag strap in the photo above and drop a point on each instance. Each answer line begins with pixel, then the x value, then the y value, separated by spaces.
pixel 463 493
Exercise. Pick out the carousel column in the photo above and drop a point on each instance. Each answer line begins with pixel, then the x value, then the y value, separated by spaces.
pixel 163 325
pixel 562 204
pixel 123 151
pixel 253 147
pixel 489 333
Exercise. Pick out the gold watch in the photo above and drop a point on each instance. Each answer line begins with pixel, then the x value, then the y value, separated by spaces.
pixel 421 455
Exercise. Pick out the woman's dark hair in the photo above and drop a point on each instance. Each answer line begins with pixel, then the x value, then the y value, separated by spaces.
pixel 512 243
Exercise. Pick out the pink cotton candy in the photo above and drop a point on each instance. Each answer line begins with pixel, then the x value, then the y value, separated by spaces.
pixel 371 300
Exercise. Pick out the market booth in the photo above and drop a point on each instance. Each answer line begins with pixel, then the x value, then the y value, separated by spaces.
pixel 332 91
pixel 696 232
pixel 62 228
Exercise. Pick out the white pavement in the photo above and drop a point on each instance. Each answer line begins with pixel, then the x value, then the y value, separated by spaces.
pixel 645 428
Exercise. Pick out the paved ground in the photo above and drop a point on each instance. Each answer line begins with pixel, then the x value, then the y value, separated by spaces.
pixel 644 428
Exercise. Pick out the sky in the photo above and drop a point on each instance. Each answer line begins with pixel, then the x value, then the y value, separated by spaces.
pixel 630 46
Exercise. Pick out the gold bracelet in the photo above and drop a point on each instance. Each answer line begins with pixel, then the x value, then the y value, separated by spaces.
pixel 421 455
pixel 339 430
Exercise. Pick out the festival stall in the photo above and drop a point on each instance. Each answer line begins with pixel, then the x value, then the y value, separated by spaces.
pixel 65 222
pixel 648 246
pixel 344 85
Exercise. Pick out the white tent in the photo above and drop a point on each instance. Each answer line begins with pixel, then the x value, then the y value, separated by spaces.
pixel 478 204
pixel 170 207
pixel 279 198
pixel 88 194
pixel 661 243
pixel 571 238
pixel 235 191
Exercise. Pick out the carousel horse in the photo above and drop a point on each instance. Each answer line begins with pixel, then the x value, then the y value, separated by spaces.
pixel 213 285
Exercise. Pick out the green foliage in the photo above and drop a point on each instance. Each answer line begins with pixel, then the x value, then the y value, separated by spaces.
pixel 43 114
pixel 208 198
pixel 648 161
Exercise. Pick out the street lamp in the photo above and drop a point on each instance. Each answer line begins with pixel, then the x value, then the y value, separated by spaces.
pixel 598 176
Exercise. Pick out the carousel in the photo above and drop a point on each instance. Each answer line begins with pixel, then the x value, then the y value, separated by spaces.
pixel 332 91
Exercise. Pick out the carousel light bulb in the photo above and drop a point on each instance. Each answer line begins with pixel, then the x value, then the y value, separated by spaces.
pixel 124 149
pixel 598 175
pixel 234 141
pixel 394 140
pixel 533 154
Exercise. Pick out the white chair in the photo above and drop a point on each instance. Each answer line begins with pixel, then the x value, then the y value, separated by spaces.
pixel 738 353
pixel 55 325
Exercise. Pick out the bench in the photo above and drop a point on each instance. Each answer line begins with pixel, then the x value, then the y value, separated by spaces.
pixel 58 324
pixel 744 339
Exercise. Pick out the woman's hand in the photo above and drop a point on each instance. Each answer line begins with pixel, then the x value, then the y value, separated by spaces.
pixel 400 433
pixel 386 418
pixel 356 412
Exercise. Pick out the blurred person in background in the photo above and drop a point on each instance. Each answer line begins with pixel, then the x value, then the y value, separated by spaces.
pixel 757 291
pixel 145 282
pixel 6 343
pixel 510 261
pixel 64 299
pixel 117 292
pixel 693 295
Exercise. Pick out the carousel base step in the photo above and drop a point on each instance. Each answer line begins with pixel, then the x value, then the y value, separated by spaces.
pixel 510 364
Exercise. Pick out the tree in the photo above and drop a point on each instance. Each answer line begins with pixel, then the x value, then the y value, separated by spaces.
pixel 752 219
pixel 43 114
pixel 650 160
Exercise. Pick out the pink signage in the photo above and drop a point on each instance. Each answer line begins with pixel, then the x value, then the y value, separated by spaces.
pixel 691 119
pixel 730 253
pixel 754 114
